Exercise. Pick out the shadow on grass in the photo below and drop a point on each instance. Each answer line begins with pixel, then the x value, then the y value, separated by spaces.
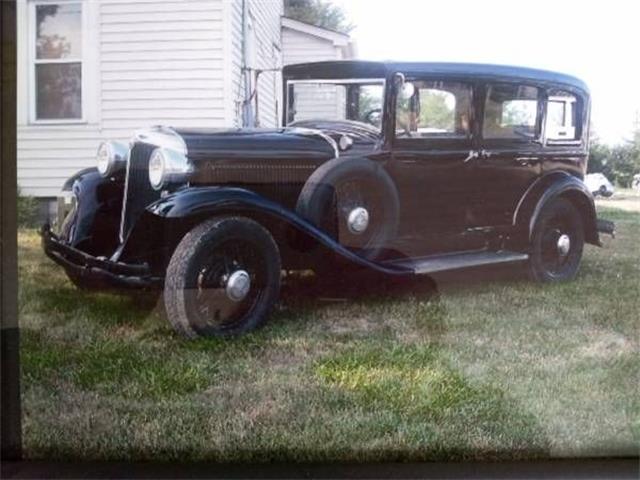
pixel 307 289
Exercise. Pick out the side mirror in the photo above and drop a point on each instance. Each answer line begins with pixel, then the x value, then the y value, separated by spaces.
pixel 407 91
pixel 404 89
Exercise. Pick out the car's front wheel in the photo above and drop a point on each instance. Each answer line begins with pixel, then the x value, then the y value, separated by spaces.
pixel 223 278
pixel 557 242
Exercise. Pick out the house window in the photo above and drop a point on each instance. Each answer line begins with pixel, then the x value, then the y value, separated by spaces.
pixel 57 61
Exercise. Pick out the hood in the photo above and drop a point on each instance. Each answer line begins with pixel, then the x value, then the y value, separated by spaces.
pixel 263 144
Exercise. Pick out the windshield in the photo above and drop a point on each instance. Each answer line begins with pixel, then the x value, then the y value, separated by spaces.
pixel 331 100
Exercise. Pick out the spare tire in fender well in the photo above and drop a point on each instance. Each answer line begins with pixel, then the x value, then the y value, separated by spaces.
pixel 319 189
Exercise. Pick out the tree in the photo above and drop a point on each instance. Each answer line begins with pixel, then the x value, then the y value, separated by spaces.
pixel 434 111
pixel 598 156
pixel 618 163
pixel 321 13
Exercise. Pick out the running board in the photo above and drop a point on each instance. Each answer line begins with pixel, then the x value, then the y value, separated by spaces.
pixel 454 261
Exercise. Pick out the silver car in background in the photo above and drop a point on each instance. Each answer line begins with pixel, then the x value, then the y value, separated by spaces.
pixel 598 184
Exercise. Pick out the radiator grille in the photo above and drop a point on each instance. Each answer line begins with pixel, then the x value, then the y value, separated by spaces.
pixel 138 192
pixel 261 173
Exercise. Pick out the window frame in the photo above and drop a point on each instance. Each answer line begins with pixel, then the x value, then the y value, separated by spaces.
pixel 290 100
pixel 33 61
pixel 439 142
pixel 538 139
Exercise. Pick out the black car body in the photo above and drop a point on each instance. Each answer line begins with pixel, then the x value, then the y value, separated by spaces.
pixel 428 167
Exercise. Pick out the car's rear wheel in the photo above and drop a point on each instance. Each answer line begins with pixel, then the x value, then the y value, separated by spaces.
pixel 557 242
pixel 223 278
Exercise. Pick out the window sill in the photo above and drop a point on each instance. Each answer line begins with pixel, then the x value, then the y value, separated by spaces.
pixel 61 122
pixel 561 143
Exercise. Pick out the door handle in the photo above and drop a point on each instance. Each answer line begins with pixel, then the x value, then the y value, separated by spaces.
pixel 472 154
pixel 524 161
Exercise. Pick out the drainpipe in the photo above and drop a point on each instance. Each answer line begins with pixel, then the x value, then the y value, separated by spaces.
pixel 247 113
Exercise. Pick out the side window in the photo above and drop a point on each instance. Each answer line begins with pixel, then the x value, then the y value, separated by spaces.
pixel 511 112
pixel 437 109
pixel 562 116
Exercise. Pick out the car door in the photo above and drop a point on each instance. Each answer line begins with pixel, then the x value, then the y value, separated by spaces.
pixel 510 151
pixel 431 155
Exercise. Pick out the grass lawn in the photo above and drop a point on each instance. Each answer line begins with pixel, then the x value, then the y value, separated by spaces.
pixel 490 366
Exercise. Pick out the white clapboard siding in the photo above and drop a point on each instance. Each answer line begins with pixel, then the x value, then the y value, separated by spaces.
pixel 265 15
pixel 159 62
pixel 175 8
pixel 301 45
pixel 154 62
pixel 234 49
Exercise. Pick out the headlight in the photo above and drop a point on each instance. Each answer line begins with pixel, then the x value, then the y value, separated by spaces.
pixel 111 156
pixel 167 166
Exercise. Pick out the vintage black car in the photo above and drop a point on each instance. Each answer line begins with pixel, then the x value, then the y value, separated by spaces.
pixel 399 168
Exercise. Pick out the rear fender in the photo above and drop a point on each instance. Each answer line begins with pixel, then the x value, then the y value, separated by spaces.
pixel 548 187
pixel 179 212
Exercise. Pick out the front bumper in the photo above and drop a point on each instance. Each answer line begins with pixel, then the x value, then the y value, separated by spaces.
pixel 98 270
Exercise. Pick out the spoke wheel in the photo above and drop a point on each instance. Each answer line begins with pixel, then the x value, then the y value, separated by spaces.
pixel 557 243
pixel 223 278
pixel 355 201
pixel 356 209
pixel 211 292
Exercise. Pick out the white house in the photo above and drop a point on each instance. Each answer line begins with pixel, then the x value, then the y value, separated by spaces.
pixel 302 42
pixel 91 70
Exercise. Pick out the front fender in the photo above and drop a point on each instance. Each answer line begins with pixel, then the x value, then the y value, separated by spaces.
pixel 548 187
pixel 79 175
pixel 92 226
pixel 195 204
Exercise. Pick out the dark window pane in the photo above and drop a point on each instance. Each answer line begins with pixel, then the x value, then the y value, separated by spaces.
pixel 58 91
pixel 59 31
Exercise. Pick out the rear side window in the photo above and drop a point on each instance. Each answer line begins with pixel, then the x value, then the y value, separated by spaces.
pixel 511 112
pixel 562 116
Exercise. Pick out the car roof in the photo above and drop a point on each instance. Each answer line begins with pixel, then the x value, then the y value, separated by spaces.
pixel 368 69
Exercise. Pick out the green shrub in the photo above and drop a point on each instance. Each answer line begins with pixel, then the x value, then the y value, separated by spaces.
pixel 28 209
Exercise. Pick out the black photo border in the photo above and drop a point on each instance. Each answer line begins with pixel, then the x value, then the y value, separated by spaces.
pixel 13 466
pixel 11 438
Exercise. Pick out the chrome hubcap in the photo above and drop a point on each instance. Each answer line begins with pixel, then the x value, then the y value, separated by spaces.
pixel 238 285
pixel 358 220
pixel 563 245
